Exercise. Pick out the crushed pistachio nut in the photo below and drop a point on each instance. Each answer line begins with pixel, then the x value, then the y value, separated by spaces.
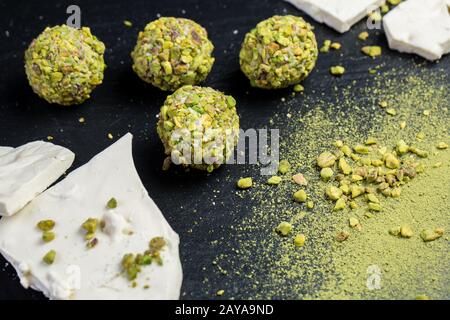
pixel 48 236
pixel 220 293
pixel 363 36
pixel 354 223
pixel 90 225
pixel 406 232
pixel 371 51
pixel 300 179
pixel 342 236
pixel 49 257
pixel 442 145
pixel 333 192
pixel 357 190
pixel 420 153
pixel 430 235
pixel 284 228
pixel 391 161
pixel 374 206
pixel 370 141
pixel 326 46
pixel 402 125
pixel 284 166
pixel 326 159
pixel 326 173
pixel 391 111
pixel 300 196
pixel 299 240
pixel 275 180
pixel 299 88
pixel 383 104
pixel 340 204
pixel 335 46
pixel 46 225
pixel 112 203
pixel 245 183
pixel 127 23
pixel 310 204
pixel 337 70
pixel 372 198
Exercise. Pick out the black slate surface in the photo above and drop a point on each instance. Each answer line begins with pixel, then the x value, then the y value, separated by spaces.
pixel 123 103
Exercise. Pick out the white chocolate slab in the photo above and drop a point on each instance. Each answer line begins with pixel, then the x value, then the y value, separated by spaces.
pixel 340 15
pixel 419 27
pixel 82 273
pixel 28 170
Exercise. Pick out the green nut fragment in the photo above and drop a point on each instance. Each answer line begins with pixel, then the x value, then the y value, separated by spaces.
pixel 284 166
pixel 65 64
pixel 430 235
pixel 402 147
pixel 391 111
pixel 442 145
pixel 299 88
pixel 245 183
pixel 299 240
pixel 346 150
pixel 48 236
pixel 127 23
pixel 300 179
pixel 326 173
pixel 326 159
pixel 370 141
pixel 422 297
pixel 46 225
pixel 335 46
pixel 372 198
pixel 49 257
pixel 220 293
pixel 420 153
pixel 357 190
pixel 157 244
pixel 92 243
pixel 173 52
pixel 363 36
pixel 345 167
pixel 333 192
pixel 353 205
pixel 391 161
pixel 371 51
pixel 279 52
pixel 340 205
pixel 310 204
pixel 361 149
pixel 89 236
pixel 337 70
pixel 275 180
pixel 326 46
pixel 112 203
pixel 342 236
pixel 345 188
pixel 90 225
pixel 374 206
pixel 356 178
pixel 395 231
pixel 300 196
pixel 353 222
pixel 406 232
pixel 384 8
pixel 284 228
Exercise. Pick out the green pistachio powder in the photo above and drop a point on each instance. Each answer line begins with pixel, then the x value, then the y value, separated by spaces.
pixel 271 266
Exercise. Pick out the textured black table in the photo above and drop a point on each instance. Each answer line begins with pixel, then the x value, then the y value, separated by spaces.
pixel 123 103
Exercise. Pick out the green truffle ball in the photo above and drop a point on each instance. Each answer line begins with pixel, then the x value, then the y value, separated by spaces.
pixel 172 52
pixel 199 127
pixel 64 64
pixel 281 51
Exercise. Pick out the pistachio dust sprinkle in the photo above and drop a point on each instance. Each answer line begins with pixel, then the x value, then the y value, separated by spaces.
pixel 350 241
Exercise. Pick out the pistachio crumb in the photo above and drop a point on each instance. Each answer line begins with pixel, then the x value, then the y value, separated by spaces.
pixel 112 203
pixel 49 257
pixel 284 228
pixel 299 240
pixel 245 183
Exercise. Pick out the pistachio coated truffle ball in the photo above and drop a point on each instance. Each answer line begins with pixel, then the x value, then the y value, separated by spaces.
pixel 173 52
pixel 64 64
pixel 199 127
pixel 281 51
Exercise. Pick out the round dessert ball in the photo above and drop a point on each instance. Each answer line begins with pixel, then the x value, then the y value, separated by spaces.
pixel 281 51
pixel 64 64
pixel 199 128
pixel 172 52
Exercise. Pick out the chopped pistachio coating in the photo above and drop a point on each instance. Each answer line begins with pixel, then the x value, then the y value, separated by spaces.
pixel 284 166
pixel 46 225
pixel 279 52
pixel 300 179
pixel 112 203
pixel 274 180
pixel 199 127
pixel 442 145
pixel 49 257
pixel 374 206
pixel 245 183
pixel 173 52
pixel 344 166
pixel 353 222
pixel 326 159
pixel 340 205
pixel 406 232
pixel 430 235
pixel 326 173
pixel 48 236
pixel 372 51
pixel 337 70
pixel 64 64
pixel 299 240
pixel 333 192
pixel 391 161
pixel 284 228
pixel 300 196
pixel 342 236
pixel 90 225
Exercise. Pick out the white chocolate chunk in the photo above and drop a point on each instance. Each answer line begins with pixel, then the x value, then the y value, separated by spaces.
pixel 79 272
pixel 420 27
pixel 28 170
